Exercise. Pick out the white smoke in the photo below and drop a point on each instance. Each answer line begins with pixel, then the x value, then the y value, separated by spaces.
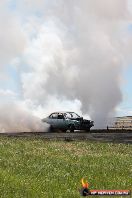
pixel 16 117
pixel 70 54
pixel 13 118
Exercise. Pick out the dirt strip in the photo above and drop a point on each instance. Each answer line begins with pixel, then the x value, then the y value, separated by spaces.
pixel 103 136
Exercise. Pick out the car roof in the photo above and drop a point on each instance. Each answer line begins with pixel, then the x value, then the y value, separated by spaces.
pixel 63 112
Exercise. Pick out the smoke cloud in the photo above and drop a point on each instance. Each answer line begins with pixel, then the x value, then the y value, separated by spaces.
pixel 15 119
pixel 67 55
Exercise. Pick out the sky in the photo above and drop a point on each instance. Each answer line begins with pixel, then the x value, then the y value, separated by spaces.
pixel 66 55
pixel 125 108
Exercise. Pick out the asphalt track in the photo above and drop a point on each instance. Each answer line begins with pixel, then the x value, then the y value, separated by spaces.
pixel 95 135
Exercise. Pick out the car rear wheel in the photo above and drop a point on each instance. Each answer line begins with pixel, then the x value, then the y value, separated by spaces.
pixel 63 130
pixel 51 129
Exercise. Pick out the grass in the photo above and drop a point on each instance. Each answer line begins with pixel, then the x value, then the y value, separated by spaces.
pixel 36 168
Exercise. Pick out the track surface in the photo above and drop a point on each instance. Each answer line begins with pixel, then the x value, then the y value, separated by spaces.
pixel 103 136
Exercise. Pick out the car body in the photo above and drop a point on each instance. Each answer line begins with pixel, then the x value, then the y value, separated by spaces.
pixel 68 121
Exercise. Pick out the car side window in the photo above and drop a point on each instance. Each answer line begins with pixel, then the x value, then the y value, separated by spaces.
pixel 67 115
pixel 60 116
pixel 53 116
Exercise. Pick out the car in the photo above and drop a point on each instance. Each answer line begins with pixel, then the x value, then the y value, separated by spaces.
pixel 68 121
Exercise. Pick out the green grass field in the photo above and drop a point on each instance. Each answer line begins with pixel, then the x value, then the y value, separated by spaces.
pixel 35 168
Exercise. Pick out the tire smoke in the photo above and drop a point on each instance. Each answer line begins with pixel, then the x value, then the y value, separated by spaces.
pixel 67 55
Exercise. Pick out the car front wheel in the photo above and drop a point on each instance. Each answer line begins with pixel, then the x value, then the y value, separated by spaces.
pixel 88 129
pixel 71 128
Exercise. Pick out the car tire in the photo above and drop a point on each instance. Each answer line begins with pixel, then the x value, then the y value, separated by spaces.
pixel 51 129
pixel 63 130
pixel 88 129
pixel 71 128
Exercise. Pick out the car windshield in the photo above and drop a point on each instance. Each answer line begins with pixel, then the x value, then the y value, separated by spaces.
pixel 71 115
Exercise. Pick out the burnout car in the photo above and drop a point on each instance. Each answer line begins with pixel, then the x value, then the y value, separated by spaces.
pixel 68 121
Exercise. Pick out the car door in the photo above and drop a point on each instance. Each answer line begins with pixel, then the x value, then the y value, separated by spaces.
pixel 61 121
pixel 53 119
